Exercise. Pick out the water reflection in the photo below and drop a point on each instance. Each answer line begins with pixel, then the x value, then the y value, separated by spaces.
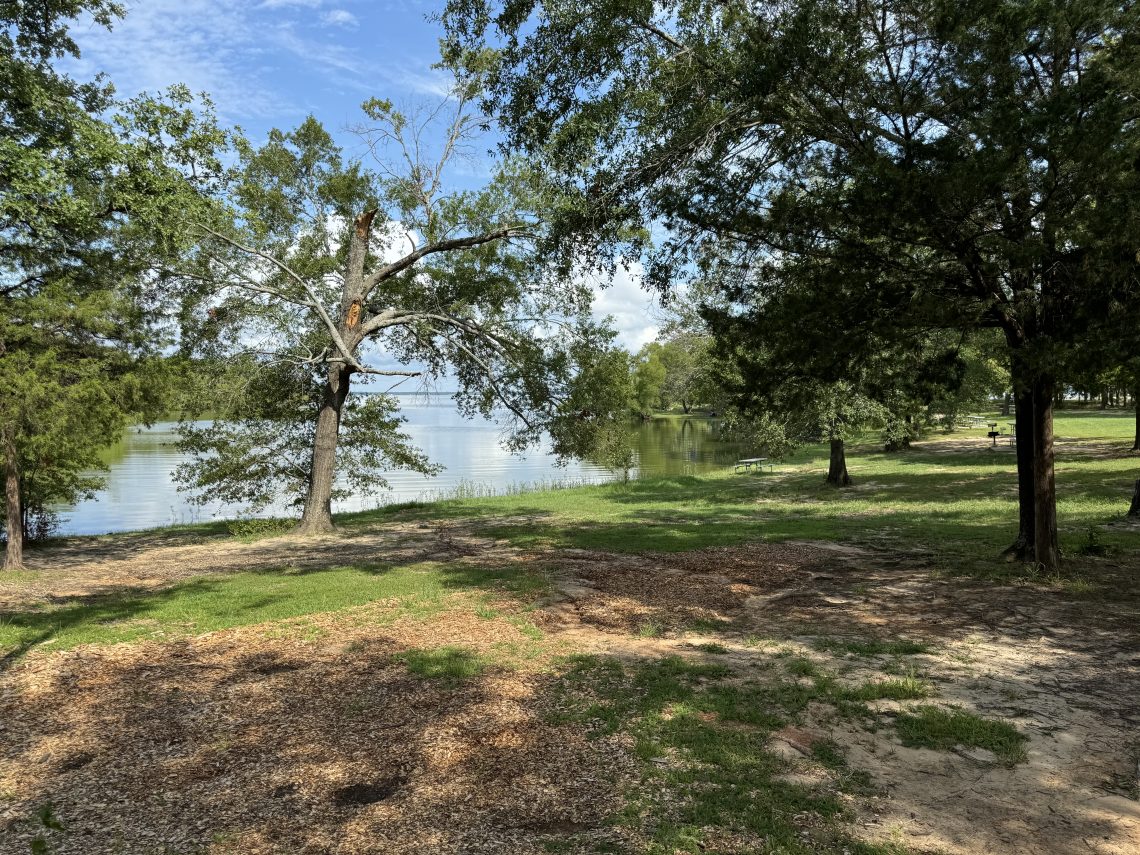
pixel 141 492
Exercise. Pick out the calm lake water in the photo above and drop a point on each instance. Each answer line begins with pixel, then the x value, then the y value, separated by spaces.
pixel 141 492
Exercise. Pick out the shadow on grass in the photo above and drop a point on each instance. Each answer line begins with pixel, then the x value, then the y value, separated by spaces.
pixel 215 602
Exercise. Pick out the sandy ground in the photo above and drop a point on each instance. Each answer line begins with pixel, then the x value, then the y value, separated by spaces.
pixel 276 738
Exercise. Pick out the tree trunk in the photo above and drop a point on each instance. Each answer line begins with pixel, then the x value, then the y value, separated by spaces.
pixel 1022 547
pixel 837 470
pixel 1046 551
pixel 1006 401
pixel 14 518
pixel 317 517
pixel 1136 402
pixel 1104 400
pixel 1134 510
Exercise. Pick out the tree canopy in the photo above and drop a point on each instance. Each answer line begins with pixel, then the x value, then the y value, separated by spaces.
pixel 913 163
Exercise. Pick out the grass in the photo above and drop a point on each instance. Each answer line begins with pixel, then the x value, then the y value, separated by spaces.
pixel 945 729
pixel 450 663
pixel 871 647
pixel 209 603
pixel 961 506
pixel 702 738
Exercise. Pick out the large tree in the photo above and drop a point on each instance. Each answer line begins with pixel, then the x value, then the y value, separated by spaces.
pixel 321 268
pixel 84 202
pixel 950 164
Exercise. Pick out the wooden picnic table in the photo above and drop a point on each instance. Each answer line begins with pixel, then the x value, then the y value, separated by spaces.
pixel 747 464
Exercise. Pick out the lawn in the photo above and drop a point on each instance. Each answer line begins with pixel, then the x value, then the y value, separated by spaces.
pixel 716 663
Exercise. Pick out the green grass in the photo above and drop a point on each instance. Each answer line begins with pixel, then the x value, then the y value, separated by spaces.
pixel 960 505
pixel 944 729
pixel 450 663
pixel 894 689
pixel 871 647
pixel 209 603
pixel 702 737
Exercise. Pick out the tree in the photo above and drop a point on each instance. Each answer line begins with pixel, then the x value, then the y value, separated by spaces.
pixel 83 200
pixel 648 381
pixel 953 165
pixel 319 269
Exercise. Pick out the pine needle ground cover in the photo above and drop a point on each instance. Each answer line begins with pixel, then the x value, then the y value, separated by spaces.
pixel 730 664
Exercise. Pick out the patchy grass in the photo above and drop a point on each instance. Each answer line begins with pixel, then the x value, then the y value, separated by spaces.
pixel 449 663
pixel 945 729
pixel 871 646
pixel 210 603
pixel 893 689
pixel 702 740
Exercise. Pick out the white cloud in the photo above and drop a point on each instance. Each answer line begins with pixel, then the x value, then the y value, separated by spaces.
pixel 631 307
pixel 340 18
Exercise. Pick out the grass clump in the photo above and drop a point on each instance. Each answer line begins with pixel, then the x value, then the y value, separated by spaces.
pixel 893 689
pixel 712 647
pixel 801 666
pixel 451 663
pixel 872 646
pixel 945 729
pixel 254 528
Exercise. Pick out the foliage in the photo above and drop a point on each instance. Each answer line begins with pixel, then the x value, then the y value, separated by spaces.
pixel 84 206
pixel 261 451
pixel 346 269
pixel 905 166
pixel 648 380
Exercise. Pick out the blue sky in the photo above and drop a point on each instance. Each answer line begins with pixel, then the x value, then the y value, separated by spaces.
pixel 270 63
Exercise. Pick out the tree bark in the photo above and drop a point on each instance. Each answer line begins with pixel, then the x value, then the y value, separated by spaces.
pixel 1046 551
pixel 14 517
pixel 317 516
pixel 1136 402
pixel 1006 401
pixel 1022 548
pixel 1134 510
pixel 837 469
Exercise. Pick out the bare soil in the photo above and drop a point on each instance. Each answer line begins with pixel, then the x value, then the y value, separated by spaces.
pixel 276 738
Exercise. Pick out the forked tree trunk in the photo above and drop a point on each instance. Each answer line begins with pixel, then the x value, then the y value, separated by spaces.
pixel 1046 551
pixel 837 469
pixel 14 517
pixel 1022 548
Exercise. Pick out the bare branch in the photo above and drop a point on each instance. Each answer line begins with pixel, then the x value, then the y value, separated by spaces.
pixel 389 270
pixel 314 301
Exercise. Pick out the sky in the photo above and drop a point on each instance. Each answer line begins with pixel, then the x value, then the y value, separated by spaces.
pixel 271 63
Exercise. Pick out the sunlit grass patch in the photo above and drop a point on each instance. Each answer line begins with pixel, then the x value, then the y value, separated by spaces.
pixel 451 663
pixel 944 729
pixel 210 603
pixel 703 739
pixel 894 689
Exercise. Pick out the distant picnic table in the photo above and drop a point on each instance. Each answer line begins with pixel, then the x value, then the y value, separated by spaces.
pixel 748 464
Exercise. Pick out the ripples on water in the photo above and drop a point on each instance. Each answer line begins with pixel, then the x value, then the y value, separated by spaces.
pixel 141 492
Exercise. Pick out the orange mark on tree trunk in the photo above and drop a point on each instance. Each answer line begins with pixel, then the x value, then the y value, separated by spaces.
pixel 353 315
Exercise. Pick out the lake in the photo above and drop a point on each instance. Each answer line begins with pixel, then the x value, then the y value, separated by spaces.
pixel 141 492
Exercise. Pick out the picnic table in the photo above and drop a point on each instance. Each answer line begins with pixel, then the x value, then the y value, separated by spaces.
pixel 749 464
